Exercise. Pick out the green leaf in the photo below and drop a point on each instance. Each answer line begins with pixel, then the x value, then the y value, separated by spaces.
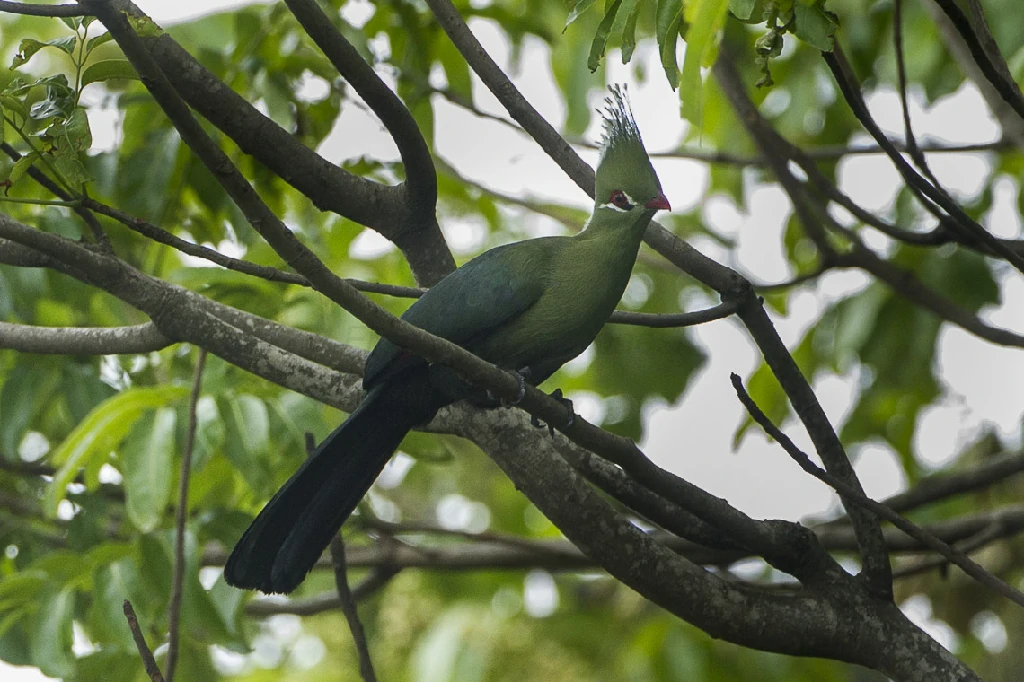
pixel 74 23
pixel 580 7
pixel 147 457
pixel 744 10
pixel 815 25
pixel 100 432
pixel 53 636
pixel 93 43
pixel 601 37
pixel 106 665
pixel 24 394
pixel 27 49
pixel 65 44
pixel 67 163
pixel 246 436
pixel 30 47
pixel 669 19
pixel 15 105
pixel 112 582
pixel 109 69
pixel 705 19
pixel 59 101
pixel 631 11
pixel 73 132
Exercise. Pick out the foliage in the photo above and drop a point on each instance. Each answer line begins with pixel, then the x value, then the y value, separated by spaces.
pixel 109 430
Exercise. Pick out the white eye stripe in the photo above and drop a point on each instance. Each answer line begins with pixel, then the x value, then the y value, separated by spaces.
pixel 613 207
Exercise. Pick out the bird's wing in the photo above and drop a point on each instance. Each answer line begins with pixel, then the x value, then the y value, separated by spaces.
pixel 483 294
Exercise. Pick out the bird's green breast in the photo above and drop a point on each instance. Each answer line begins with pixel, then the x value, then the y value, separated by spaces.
pixel 584 278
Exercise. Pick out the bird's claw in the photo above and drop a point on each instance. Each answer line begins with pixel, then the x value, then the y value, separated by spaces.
pixel 570 420
pixel 521 375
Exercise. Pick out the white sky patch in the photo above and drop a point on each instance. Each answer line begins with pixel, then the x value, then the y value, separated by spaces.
pixel 540 594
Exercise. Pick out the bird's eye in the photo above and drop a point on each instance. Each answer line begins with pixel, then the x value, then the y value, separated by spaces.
pixel 620 199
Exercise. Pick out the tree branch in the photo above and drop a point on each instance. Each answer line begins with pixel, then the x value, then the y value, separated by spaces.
pixel 955 556
pixel 1011 123
pixel 805 404
pixel 35 10
pixel 141 338
pixel 152 669
pixel 517 106
pixel 330 188
pixel 180 517
pixel 421 177
pixel 924 190
pixel 347 603
pixel 985 52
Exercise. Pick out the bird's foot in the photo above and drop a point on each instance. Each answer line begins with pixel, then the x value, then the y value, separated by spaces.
pixel 521 376
pixel 557 395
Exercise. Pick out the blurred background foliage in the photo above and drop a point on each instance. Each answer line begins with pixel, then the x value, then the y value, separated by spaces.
pixel 112 428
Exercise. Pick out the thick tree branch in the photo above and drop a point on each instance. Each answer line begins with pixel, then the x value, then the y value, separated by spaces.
pixel 421 177
pixel 36 10
pixel 184 316
pixel 798 623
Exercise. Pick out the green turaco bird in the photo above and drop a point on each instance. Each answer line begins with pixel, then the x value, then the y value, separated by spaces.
pixel 528 307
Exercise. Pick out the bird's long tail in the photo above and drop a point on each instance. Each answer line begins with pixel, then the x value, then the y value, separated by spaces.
pixel 286 539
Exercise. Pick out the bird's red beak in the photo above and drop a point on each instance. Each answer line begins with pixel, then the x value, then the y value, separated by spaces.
pixel 659 203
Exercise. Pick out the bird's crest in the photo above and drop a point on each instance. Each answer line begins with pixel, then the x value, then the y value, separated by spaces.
pixel 619 125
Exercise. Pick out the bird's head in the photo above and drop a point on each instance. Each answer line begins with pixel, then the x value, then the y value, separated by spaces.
pixel 626 181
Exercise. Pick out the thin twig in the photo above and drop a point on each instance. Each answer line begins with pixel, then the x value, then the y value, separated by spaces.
pixel 178 577
pixel 953 555
pixel 349 608
pixel 901 76
pixel 47 183
pixel 152 669
pixel 671 320
pixel 346 600
pixel 924 190
pixel 162 236
pixel 993 532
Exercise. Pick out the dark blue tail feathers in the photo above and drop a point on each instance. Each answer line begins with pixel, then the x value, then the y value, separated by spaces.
pixel 290 533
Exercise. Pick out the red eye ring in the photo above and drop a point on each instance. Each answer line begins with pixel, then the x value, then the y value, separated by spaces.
pixel 619 198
